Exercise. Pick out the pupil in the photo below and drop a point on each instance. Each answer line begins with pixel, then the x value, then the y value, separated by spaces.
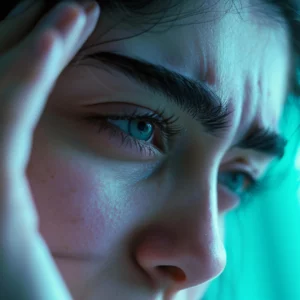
pixel 143 126
pixel 141 130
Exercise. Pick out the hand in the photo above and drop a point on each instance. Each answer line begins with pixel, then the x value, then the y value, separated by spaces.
pixel 31 60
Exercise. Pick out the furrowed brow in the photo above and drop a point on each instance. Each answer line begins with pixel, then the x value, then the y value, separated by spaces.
pixel 265 141
pixel 193 97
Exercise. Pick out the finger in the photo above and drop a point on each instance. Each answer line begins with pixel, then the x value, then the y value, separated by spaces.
pixel 13 29
pixel 33 68
pixel 93 13
pixel 90 12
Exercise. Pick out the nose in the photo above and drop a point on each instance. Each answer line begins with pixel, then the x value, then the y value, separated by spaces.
pixel 184 247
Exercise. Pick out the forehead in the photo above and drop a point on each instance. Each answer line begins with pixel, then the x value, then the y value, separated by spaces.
pixel 240 53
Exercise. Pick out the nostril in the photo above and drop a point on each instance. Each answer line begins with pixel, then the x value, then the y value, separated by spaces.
pixel 176 273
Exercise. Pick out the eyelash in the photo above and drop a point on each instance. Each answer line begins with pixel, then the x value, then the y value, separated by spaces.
pixel 157 118
pixel 168 131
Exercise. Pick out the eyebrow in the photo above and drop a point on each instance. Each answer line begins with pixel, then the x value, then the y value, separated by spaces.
pixel 193 97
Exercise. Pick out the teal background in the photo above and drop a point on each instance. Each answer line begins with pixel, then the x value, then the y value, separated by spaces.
pixel 263 238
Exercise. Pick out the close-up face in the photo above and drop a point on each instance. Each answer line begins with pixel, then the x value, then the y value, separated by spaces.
pixel 133 168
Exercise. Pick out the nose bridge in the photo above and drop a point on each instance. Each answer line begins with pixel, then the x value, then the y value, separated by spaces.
pixel 185 247
pixel 198 231
pixel 195 202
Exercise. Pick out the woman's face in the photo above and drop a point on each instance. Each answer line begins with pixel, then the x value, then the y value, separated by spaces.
pixel 118 205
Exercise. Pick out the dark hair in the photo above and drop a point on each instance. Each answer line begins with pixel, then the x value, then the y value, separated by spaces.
pixel 143 10
pixel 155 11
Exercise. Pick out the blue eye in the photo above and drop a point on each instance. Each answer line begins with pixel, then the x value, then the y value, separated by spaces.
pixel 149 133
pixel 139 129
pixel 237 181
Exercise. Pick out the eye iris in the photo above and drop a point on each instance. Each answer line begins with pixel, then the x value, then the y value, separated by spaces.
pixel 141 130
pixel 235 181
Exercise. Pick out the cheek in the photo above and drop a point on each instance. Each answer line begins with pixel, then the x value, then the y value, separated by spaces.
pixel 85 213
pixel 77 203
pixel 71 220
pixel 222 226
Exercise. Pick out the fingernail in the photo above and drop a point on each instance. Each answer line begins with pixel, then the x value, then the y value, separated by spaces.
pixel 23 6
pixel 67 17
pixel 90 6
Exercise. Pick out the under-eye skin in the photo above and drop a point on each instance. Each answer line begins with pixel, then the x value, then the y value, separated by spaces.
pixel 146 133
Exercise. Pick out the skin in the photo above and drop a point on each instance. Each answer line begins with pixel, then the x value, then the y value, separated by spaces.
pixel 109 214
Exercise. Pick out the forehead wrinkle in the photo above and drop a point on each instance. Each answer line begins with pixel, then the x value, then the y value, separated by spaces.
pixel 212 61
pixel 249 105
